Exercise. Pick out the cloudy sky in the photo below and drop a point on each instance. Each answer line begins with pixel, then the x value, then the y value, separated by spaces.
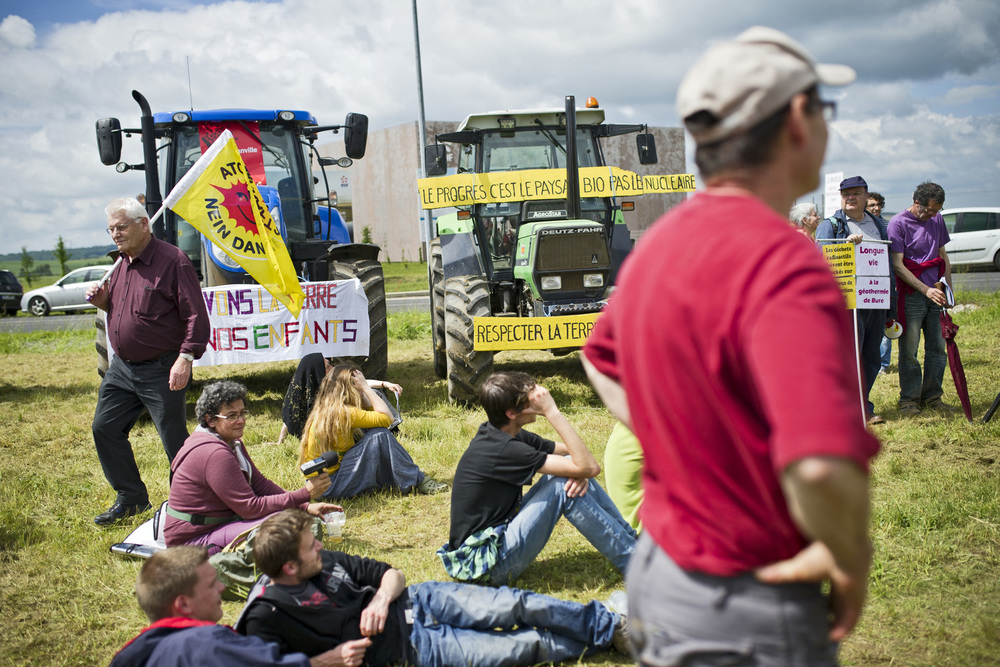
pixel 926 104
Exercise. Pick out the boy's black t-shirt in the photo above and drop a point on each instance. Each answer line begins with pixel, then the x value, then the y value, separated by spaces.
pixel 325 611
pixel 489 479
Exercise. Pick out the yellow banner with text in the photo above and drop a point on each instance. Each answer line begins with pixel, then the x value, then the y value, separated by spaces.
pixel 532 333
pixel 534 184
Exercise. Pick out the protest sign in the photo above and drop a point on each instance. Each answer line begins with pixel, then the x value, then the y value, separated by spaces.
pixel 863 271
pixel 249 325
pixel 535 184
pixel 532 333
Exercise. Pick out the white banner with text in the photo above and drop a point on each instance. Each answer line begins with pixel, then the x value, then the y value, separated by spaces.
pixel 251 326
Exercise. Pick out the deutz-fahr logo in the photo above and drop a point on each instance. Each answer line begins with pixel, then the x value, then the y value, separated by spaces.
pixel 569 230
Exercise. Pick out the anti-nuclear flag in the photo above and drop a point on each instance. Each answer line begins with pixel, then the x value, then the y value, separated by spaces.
pixel 218 197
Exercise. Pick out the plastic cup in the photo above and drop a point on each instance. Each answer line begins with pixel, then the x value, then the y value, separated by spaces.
pixel 334 522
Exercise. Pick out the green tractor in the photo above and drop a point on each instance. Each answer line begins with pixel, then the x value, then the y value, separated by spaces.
pixel 535 256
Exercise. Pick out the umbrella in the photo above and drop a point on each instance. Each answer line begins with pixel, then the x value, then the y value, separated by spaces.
pixel 948 330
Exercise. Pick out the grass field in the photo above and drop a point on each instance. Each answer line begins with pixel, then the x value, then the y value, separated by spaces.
pixel 64 600
pixel 405 276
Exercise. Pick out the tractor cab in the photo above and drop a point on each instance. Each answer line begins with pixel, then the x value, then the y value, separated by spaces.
pixel 522 242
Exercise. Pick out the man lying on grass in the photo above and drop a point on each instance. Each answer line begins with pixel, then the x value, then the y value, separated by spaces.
pixel 495 533
pixel 362 611
pixel 182 597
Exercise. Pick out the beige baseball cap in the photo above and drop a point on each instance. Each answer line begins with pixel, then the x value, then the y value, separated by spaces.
pixel 744 81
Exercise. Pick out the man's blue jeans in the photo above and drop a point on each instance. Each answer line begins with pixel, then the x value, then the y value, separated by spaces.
pixel 464 624
pixel 922 315
pixel 593 514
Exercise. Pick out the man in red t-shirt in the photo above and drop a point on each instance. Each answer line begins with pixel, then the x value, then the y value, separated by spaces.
pixel 728 350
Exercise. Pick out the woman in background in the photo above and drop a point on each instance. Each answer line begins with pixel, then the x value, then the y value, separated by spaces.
pixel 805 218
pixel 350 418
pixel 302 390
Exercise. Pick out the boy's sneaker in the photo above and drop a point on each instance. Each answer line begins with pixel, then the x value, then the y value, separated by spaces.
pixel 621 641
pixel 429 487
pixel 618 603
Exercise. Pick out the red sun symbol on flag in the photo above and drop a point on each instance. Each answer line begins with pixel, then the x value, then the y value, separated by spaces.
pixel 236 201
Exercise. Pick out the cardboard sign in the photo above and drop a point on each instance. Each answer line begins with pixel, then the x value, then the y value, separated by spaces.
pixel 840 256
pixel 532 333
pixel 871 258
pixel 863 271
pixel 831 193
pixel 868 258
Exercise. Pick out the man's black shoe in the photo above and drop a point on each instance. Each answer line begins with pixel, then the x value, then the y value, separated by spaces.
pixel 120 512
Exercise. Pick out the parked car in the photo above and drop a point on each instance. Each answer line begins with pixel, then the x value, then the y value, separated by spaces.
pixel 975 236
pixel 66 294
pixel 10 292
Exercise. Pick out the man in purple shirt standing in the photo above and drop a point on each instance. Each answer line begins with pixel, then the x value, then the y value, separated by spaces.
pixel 917 237
pixel 157 325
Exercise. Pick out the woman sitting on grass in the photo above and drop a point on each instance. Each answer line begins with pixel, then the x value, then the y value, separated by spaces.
pixel 302 390
pixel 216 491
pixel 350 418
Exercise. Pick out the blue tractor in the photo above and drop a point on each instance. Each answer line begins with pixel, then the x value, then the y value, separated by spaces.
pixel 279 149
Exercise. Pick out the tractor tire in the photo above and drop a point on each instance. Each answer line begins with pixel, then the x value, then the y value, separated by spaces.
pixel 437 311
pixel 465 298
pixel 101 343
pixel 376 365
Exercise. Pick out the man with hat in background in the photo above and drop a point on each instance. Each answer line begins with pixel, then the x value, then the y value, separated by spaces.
pixel 852 222
pixel 756 488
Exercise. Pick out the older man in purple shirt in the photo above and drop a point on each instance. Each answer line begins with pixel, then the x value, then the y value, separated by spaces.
pixel 917 237
pixel 157 325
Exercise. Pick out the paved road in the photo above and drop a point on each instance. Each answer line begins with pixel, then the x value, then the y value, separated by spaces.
pixel 983 281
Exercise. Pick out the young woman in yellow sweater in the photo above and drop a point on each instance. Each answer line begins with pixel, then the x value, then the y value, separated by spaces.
pixel 350 418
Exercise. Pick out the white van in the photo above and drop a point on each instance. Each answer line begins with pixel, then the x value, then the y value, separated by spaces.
pixel 975 236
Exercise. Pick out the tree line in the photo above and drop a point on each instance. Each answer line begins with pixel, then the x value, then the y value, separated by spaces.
pixel 60 254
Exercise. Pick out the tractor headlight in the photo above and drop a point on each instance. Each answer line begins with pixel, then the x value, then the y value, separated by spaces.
pixel 593 280
pixel 223 258
pixel 551 282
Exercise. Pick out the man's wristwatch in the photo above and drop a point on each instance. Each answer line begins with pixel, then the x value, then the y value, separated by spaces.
pixel 186 356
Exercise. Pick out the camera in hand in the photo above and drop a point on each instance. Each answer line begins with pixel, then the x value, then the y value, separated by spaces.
pixel 324 463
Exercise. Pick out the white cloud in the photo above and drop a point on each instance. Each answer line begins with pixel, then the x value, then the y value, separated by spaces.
pixel 335 56
pixel 16 33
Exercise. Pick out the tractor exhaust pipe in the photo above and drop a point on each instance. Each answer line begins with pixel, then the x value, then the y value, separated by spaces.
pixel 574 210
pixel 154 199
